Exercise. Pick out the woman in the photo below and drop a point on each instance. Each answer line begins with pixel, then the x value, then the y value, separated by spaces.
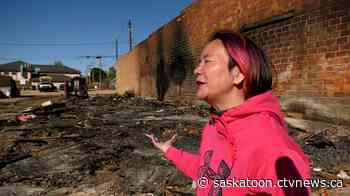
pixel 246 137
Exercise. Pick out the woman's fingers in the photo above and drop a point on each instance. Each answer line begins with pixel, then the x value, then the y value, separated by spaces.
pixel 172 139
pixel 149 135
pixel 154 140
pixel 157 142
pixel 163 146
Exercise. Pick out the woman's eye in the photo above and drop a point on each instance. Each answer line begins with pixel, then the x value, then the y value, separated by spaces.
pixel 204 61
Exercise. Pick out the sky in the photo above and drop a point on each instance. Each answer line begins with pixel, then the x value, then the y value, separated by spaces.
pixel 45 31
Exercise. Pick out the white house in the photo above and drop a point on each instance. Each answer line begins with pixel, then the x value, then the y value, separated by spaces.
pixel 27 74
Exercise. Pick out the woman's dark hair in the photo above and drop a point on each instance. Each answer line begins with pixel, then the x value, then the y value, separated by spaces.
pixel 250 59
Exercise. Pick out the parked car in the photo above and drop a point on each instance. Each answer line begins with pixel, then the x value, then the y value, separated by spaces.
pixel 61 87
pixel 8 87
pixel 46 87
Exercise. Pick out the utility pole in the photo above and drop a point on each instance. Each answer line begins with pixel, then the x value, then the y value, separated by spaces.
pixel 130 35
pixel 99 64
pixel 89 67
pixel 99 59
pixel 116 49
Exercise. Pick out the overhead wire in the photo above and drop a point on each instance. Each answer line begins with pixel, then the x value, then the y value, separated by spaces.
pixel 57 44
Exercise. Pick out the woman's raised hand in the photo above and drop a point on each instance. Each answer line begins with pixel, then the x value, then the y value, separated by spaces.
pixel 163 146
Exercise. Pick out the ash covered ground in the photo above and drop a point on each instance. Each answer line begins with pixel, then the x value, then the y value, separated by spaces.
pixel 97 146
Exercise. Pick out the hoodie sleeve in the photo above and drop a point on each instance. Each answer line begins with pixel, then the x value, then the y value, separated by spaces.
pixel 283 173
pixel 282 165
pixel 184 161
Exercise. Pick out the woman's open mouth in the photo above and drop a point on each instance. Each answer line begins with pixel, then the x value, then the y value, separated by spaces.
pixel 199 83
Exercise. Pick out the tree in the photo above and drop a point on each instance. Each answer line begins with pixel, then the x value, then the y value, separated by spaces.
pixel 58 64
pixel 97 74
pixel 111 73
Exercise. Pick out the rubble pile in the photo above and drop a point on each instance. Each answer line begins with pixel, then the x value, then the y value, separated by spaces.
pixel 97 146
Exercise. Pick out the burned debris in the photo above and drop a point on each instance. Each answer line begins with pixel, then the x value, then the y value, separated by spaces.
pixel 96 146
pixel 72 142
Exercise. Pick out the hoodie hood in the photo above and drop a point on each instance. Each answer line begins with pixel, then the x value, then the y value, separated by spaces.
pixel 262 103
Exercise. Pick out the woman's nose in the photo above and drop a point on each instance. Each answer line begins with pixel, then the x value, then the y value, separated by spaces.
pixel 197 70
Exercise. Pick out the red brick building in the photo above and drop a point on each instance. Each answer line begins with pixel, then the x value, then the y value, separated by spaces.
pixel 307 42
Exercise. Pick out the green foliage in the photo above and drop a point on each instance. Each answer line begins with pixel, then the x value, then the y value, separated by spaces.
pixel 96 74
pixel 58 64
pixel 111 73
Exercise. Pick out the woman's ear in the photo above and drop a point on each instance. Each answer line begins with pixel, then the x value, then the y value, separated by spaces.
pixel 237 75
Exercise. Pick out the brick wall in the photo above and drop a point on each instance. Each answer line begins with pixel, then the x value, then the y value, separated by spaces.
pixel 128 72
pixel 307 42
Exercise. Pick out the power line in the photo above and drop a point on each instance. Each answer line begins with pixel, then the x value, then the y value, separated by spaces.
pixel 97 56
pixel 58 44
pixel 63 57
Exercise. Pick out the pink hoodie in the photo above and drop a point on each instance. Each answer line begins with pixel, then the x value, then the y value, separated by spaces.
pixel 245 143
